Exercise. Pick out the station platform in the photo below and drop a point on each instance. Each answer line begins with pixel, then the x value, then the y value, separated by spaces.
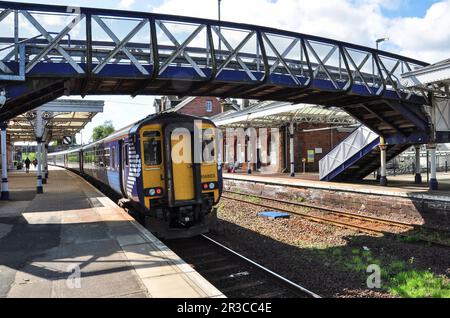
pixel 72 241
pixel 401 200
pixel 400 185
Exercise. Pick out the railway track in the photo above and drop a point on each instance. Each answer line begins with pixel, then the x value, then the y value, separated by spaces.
pixel 233 274
pixel 365 224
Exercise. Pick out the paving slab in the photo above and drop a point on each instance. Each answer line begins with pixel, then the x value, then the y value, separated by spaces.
pixel 72 241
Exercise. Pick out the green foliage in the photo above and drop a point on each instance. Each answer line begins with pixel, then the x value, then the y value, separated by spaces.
pixel 31 156
pixel 103 131
pixel 419 284
pixel 399 276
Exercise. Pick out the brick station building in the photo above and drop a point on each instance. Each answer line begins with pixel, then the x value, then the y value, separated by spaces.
pixel 316 131
pixel 194 106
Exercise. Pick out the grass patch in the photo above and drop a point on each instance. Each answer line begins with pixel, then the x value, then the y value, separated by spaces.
pixel 399 278
pixel 253 199
pixel 300 199
pixel 423 235
pixel 419 284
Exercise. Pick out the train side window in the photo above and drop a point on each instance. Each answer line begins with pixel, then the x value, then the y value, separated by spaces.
pixel 208 146
pixel 127 155
pixel 152 148
pixel 107 158
pixel 113 158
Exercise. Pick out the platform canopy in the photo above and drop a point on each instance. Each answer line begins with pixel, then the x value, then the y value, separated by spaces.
pixel 61 118
pixel 433 78
pixel 274 114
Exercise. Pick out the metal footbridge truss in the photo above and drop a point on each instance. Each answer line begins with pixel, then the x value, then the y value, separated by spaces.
pixel 48 51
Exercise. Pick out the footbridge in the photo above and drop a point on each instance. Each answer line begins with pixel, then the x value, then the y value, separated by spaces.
pixel 48 51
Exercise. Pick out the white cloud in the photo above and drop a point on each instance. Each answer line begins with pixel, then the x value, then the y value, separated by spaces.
pixel 126 4
pixel 425 38
pixel 360 22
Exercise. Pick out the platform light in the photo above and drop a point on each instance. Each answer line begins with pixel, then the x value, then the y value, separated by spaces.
pixel 381 40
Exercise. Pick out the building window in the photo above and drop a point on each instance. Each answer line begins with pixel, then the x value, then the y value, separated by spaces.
pixel 209 106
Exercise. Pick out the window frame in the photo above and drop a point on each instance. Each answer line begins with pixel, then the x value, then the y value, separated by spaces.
pixel 156 136
pixel 209 106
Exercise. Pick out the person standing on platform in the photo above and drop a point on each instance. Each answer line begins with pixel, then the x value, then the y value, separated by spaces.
pixel 27 165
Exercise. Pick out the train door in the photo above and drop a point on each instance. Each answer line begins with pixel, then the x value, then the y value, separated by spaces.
pixel 124 167
pixel 182 165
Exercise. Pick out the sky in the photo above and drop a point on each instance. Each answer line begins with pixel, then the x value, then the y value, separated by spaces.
pixel 416 28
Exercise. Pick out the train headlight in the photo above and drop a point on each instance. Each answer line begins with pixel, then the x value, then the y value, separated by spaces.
pixel 209 186
pixel 152 192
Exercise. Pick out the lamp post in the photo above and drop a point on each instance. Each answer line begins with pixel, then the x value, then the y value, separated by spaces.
pixel 381 40
pixel 378 42
pixel 219 2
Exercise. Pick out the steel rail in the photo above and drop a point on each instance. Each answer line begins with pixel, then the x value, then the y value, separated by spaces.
pixel 265 269
pixel 331 210
pixel 309 217
pixel 356 227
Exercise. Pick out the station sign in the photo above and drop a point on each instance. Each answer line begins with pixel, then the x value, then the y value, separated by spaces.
pixel 67 140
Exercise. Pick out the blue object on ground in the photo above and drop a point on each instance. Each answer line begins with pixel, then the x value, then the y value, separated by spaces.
pixel 274 215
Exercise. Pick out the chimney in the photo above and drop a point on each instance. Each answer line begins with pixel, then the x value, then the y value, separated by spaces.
pixel 245 104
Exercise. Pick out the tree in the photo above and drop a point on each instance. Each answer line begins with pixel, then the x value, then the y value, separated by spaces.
pixel 103 131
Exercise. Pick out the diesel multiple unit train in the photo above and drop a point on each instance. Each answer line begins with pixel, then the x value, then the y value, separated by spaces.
pixel 165 165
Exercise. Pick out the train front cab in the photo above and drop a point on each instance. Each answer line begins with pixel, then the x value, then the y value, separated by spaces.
pixel 179 195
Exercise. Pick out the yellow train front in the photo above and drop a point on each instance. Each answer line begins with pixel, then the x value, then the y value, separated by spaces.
pixel 173 163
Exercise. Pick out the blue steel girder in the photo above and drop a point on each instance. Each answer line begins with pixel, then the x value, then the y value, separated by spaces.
pixel 160 54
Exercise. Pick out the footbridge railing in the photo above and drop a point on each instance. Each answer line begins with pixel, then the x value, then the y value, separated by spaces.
pixel 57 41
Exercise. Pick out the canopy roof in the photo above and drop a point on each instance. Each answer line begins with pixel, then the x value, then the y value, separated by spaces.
pixel 273 114
pixel 62 118
pixel 434 78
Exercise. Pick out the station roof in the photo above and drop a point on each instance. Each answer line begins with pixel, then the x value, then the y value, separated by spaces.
pixel 434 78
pixel 62 118
pixel 273 114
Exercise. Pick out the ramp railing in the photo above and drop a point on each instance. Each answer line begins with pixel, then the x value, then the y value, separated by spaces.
pixel 354 147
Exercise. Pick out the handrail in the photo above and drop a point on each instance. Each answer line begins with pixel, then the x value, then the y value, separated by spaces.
pixel 19 42
pixel 223 24
pixel 337 157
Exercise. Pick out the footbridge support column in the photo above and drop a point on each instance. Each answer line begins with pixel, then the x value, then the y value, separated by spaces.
pixel 418 178
pixel 5 184
pixel 291 148
pixel 434 185
pixel 39 131
pixel 383 169
pixel 39 188
pixel 44 163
